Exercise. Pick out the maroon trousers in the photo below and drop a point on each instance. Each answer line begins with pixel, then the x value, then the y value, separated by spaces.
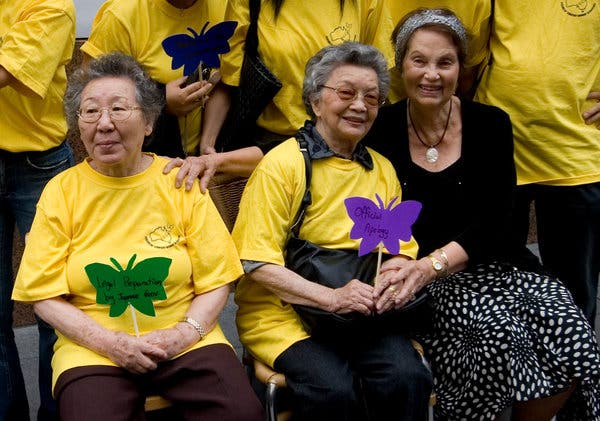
pixel 208 383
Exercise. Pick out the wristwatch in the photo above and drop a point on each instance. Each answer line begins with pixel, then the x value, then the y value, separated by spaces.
pixel 438 266
pixel 201 331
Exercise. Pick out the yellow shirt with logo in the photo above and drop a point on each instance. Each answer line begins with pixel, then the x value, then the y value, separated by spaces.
pixel 266 325
pixel 546 60
pixel 84 218
pixel 138 28
pixel 285 44
pixel 36 42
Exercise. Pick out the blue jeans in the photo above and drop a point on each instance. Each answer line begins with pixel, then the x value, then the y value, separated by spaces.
pixel 22 179
pixel 568 231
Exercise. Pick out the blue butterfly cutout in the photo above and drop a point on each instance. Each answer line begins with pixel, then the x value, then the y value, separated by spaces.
pixel 188 51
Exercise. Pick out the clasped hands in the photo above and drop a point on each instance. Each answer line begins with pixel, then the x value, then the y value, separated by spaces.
pixel 142 354
pixel 398 283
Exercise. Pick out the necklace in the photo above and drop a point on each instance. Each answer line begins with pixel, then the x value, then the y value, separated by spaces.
pixel 432 154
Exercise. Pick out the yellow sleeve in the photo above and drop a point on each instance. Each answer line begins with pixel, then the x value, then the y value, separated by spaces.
pixel 214 258
pixel 35 47
pixel 42 273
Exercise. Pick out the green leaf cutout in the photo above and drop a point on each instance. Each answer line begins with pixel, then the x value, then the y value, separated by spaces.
pixel 137 285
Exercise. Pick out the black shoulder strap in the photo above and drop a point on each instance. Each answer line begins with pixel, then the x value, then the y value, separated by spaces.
pixel 307 198
pixel 251 44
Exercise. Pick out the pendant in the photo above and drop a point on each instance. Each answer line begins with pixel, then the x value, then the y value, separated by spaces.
pixel 432 155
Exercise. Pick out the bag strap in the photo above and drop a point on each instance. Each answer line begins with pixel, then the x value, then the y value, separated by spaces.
pixel 251 44
pixel 307 198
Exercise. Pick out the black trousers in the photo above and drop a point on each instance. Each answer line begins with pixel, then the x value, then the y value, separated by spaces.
pixel 568 231
pixel 323 374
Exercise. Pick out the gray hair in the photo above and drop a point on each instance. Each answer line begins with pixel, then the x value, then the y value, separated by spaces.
pixel 442 20
pixel 321 65
pixel 114 64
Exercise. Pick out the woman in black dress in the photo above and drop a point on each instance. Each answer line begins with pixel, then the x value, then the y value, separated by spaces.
pixel 501 335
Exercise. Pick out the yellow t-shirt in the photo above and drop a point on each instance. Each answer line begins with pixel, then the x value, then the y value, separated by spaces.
pixel 36 42
pixel 474 14
pixel 546 60
pixel 302 28
pixel 139 27
pixel 84 217
pixel 266 325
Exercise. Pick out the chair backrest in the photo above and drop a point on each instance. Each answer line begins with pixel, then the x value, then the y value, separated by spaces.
pixel 226 192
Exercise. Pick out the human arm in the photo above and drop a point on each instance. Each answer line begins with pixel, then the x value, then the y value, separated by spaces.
pixel 407 277
pixel 204 309
pixel 294 289
pixel 240 162
pixel 592 115
pixel 6 79
pixel 126 351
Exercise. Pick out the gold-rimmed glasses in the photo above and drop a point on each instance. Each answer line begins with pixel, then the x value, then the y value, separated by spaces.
pixel 348 93
pixel 116 113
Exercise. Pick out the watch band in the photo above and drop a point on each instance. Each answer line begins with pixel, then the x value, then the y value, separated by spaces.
pixel 201 331
pixel 438 267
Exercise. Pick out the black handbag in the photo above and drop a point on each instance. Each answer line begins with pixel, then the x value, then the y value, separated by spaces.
pixel 334 268
pixel 257 87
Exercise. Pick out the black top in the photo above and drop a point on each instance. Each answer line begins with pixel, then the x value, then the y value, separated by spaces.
pixel 468 202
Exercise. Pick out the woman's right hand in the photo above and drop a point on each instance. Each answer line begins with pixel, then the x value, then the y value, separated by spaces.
pixel 181 100
pixel 354 296
pixel 133 354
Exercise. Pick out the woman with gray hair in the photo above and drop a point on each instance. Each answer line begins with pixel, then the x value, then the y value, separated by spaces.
pixel 503 333
pixel 125 267
pixel 343 88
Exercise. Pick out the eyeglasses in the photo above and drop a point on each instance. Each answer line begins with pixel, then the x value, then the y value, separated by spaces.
pixel 116 113
pixel 347 93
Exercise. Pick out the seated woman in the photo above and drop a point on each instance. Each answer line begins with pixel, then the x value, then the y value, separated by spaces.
pixel 114 232
pixel 501 335
pixel 343 89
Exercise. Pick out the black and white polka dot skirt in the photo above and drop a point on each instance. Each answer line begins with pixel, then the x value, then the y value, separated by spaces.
pixel 502 335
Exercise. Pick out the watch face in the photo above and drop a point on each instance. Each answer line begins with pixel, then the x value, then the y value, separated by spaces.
pixel 437 265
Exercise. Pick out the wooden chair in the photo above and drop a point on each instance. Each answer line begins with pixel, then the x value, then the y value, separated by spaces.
pixel 156 402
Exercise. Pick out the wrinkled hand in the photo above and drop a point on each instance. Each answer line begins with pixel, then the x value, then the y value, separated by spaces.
pixel 399 281
pixel 592 116
pixel 354 296
pixel 172 341
pixel 192 167
pixel 133 354
pixel 180 101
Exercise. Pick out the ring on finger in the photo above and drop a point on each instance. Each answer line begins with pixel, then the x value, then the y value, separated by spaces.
pixel 392 288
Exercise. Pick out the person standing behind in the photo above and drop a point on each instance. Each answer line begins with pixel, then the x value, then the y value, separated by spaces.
pixel 162 35
pixel 545 72
pixel 474 14
pixel 290 32
pixel 36 42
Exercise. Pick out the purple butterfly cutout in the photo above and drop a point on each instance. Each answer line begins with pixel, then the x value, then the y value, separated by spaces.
pixel 376 224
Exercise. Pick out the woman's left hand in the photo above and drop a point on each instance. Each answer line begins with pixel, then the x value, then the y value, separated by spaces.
pixel 399 281
pixel 173 341
pixel 592 115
